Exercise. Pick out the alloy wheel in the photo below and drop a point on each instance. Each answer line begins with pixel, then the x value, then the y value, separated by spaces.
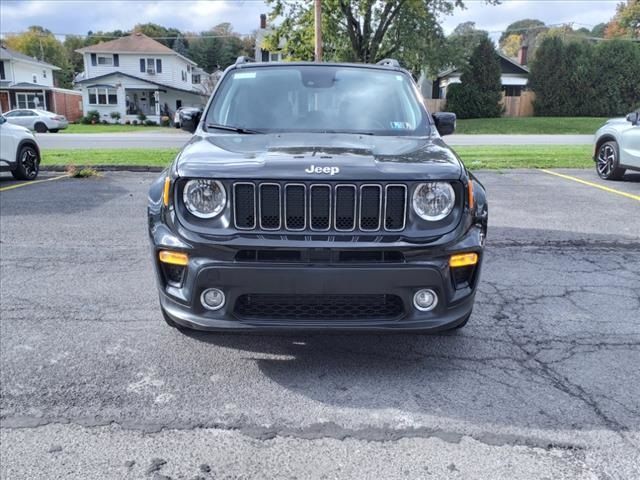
pixel 29 161
pixel 606 160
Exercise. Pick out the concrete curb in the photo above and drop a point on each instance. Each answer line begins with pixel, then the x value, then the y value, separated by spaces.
pixel 103 168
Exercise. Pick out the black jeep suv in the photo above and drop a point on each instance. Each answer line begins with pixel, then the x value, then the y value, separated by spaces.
pixel 317 196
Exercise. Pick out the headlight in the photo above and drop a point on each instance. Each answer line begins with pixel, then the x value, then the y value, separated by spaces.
pixel 204 198
pixel 434 200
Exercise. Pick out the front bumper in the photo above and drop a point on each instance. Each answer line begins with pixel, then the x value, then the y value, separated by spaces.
pixel 212 267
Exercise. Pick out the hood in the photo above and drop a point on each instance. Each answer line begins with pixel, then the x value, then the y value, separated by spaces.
pixel 16 128
pixel 309 156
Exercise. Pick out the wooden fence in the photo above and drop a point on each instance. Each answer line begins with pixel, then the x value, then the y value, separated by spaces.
pixel 521 106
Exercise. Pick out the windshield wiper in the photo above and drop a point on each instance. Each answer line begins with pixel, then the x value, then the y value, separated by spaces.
pixel 231 128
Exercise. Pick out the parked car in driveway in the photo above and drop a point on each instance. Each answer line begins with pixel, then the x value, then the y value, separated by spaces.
pixel 179 116
pixel 617 147
pixel 303 202
pixel 19 152
pixel 40 121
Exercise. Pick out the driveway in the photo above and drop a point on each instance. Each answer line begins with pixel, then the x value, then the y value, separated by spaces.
pixel 176 139
pixel 542 383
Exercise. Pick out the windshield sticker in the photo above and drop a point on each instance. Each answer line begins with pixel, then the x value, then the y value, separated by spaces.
pixel 245 75
pixel 400 126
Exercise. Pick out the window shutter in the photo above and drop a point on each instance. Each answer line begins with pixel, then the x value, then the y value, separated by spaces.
pixel 94 60
pixel 142 65
pixel 158 65
pixel 116 60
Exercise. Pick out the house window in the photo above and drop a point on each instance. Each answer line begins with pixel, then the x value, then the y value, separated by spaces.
pixel 29 100
pixel 195 78
pixel 2 74
pixel 35 79
pixel 512 90
pixel 274 57
pixel 184 76
pixel 103 96
pixel 105 60
pixel 188 68
pixel 44 74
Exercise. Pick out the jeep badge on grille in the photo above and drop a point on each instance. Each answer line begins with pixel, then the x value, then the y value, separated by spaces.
pixel 327 170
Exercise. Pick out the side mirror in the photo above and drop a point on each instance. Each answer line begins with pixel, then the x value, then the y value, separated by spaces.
pixel 634 118
pixel 189 119
pixel 445 122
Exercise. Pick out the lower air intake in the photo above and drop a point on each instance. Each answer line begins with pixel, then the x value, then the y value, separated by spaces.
pixel 318 307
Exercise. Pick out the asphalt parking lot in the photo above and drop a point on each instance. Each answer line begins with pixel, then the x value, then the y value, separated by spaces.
pixel 543 383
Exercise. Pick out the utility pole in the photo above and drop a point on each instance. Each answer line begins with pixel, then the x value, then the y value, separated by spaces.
pixel 318 29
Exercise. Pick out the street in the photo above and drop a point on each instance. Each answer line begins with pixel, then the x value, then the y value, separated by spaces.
pixel 171 138
pixel 543 382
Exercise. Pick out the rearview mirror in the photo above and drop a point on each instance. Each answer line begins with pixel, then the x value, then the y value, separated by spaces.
pixel 445 122
pixel 634 118
pixel 189 119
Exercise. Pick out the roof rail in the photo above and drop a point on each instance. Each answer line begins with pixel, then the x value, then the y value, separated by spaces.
pixel 243 59
pixel 389 62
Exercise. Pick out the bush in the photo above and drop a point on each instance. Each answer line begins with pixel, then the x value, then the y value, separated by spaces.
pixel 150 123
pixel 115 116
pixel 93 116
pixel 127 122
pixel 142 117
pixel 135 122
pixel 85 120
pixel 578 78
pixel 480 93
pixel 165 121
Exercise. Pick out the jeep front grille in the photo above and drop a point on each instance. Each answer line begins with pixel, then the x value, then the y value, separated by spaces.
pixel 320 207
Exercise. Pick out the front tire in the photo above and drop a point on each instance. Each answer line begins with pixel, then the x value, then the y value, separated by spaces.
pixel 28 164
pixel 608 161
pixel 40 127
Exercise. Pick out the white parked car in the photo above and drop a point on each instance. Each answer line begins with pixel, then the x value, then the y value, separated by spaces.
pixel 617 147
pixel 40 121
pixel 19 152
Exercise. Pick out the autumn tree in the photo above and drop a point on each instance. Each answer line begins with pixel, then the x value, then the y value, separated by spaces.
pixel 40 43
pixel 362 31
pixel 526 32
pixel 626 22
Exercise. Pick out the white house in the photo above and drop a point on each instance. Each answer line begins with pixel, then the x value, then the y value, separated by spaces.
pixel 24 81
pixel 514 76
pixel 136 75
pixel 261 54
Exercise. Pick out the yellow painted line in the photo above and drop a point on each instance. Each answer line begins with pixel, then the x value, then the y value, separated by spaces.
pixel 33 182
pixel 591 184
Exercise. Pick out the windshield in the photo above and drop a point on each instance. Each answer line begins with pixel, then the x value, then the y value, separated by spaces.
pixel 321 98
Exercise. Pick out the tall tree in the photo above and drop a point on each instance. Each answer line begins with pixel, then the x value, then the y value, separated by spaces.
pixel 480 91
pixel 40 43
pixel 362 31
pixel 626 22
pixel 218 47
pixel 180 46
pixel 164 35
pixel 526 32
pixel 464 39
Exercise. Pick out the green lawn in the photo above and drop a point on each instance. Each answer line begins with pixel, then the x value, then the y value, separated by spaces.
pixel 530 125
pixel 526 156
pixel 111 128
pixel 139 157
pixel 484 157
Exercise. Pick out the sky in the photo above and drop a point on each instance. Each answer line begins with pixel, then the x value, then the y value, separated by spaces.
pixel 80 16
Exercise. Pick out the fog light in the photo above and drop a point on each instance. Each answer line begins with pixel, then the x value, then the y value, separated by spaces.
pixel 425 300
pixel 212 299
